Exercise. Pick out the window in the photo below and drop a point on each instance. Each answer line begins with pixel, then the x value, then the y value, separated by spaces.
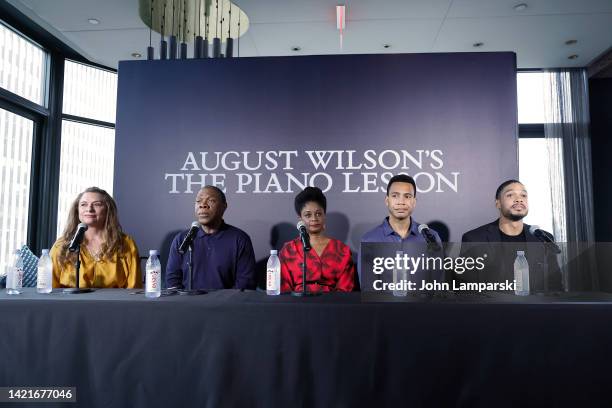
pixel 31 104
pixel 89 92
pixel 88 134
pixel 22 66
pixel 16 134
pixel 533 172
pixel 23 75
pixel 530 94
pixel 87 156
pixel 533 154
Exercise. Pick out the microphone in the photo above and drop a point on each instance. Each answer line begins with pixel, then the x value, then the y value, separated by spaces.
pixel 78 238
pixel 195 226
pixel 432 244
pixel 544 237
pixel 304 236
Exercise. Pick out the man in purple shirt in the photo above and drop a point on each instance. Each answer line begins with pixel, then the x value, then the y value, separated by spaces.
pixel 223 256
pixel 399 225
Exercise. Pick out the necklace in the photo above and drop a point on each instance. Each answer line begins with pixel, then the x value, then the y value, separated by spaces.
pixel 95 254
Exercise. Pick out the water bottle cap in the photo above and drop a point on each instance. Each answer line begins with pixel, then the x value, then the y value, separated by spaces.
pixel 520 252
pixel 45 252
pixel 273 252
pixel 153 252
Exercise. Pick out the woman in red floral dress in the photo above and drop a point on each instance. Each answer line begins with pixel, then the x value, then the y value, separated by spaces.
pixel 329 264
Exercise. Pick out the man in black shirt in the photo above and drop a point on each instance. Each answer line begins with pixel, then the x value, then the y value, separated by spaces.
pixel 499 241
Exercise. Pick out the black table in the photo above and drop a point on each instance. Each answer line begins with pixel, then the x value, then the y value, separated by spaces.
pixel 246 349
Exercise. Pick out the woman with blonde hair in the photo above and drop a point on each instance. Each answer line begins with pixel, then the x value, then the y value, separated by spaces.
pixel 109 258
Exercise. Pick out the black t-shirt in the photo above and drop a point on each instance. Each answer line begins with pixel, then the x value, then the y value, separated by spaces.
pixel 510 245
pixel 513 238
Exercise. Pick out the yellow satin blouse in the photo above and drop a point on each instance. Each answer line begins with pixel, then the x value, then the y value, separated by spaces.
pixel 120 271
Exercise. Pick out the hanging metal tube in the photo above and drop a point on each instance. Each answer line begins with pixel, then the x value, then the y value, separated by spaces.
pixel 205 47
pixel 183 50
pixel 229 50
pixel 216 47
pixel 198 47
pixel 163 49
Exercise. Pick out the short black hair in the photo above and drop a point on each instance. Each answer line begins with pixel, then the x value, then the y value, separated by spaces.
pixel 307 195
pixel 504 185
pixel 219 192
pixel 401 178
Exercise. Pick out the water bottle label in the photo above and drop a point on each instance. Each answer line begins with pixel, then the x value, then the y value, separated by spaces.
pixel 42 278
pixel 519 281
pixel 399 276
pixel 153 278
pixel 270 281
pixel 18 282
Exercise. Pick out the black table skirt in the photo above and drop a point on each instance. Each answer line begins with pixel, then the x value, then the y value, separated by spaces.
pixel 246 349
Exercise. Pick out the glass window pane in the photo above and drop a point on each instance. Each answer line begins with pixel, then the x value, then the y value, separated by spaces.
pixel 87 159
pixel 16 135
pixel 89 92
pixel 533 172
pixel 22 66
pixel 530 94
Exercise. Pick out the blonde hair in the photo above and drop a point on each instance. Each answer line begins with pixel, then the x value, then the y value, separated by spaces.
pixel 112 237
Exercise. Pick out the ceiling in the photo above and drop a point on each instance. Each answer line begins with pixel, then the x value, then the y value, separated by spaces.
pixel 537 34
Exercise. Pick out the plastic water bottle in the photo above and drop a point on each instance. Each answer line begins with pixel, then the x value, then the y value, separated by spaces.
pixel 400 277
pixel 521 274
pixel 44 280
pixel 14 276
pixel 273 277
pixel 153 278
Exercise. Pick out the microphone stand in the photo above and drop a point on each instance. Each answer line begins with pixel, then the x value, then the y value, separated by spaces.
pixel 189 291
pixel 77 267
pixel 304 292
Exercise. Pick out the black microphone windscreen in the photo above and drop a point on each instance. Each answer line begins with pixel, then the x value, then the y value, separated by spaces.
pixel 75 243
pixel 533 229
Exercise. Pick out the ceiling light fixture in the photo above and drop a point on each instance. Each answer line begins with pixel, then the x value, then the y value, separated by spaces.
pixel 93 21
pixel 296 49
pixel 386 45
pixel 200 22
pixel 477 44
pixel 571 42
pixel 573 56
pixel 136 55
pixel 520 7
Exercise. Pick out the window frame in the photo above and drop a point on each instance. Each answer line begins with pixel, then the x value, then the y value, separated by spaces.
pixel 529 130
pixel 83 119
pixel 47 118
pixel 75 119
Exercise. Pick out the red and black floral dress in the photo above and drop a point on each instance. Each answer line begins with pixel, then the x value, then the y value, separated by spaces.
pixel 332 271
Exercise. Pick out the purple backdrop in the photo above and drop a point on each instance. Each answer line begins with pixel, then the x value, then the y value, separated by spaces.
pixel 262 127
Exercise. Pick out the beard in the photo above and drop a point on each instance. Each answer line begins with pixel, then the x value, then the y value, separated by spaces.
pixel 513 217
